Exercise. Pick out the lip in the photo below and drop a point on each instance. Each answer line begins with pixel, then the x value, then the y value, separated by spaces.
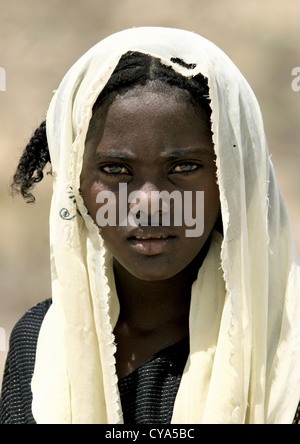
pixel 150 244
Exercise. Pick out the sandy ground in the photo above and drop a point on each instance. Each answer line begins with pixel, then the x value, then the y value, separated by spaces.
pixel 41 40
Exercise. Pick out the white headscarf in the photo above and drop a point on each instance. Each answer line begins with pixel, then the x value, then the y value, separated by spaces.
pixel 244 363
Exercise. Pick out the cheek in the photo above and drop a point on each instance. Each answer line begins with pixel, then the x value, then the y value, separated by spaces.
pixel 89 195
pixel 90 188
pixel 208 206
pixel 212 206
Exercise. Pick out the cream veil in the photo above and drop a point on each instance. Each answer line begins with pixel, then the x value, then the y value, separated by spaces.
pixel 244 364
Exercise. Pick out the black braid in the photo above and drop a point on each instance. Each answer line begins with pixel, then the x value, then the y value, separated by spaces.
pixel 133 69
pixel 32 163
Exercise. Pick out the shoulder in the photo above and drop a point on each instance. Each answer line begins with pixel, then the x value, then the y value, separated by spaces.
pixel 16 396
pixel 28 327
pixel 24 337
pixel 36 313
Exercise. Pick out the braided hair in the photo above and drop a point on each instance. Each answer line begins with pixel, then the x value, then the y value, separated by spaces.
pixel 133 69
pixel 31 165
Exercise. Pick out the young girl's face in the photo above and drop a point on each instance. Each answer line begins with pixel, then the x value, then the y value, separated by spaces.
pixel 152 141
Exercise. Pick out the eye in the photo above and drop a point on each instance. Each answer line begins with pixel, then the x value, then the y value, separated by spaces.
pixel 114 169
pixel 185 168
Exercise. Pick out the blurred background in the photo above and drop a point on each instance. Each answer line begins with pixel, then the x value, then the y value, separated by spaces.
pixel 39 41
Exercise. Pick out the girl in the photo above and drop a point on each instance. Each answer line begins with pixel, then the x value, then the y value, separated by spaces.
pixel 147 324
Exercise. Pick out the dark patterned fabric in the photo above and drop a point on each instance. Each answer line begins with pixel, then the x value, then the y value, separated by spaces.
pixel 148 394
pixel 297 416
pixel 16 397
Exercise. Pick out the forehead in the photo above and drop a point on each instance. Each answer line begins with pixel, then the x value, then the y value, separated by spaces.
pixel 153 107
pixel 152 111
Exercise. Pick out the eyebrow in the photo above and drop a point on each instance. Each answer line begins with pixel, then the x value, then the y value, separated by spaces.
pixel 187 152
pixel 177 154
pixel 113 154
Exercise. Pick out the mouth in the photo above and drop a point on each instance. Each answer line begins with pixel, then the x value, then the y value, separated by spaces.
pixel 151 244
pixel 150 237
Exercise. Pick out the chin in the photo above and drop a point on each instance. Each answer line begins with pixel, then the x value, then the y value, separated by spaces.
pixel 153 274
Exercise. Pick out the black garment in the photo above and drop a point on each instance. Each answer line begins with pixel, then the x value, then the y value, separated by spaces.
pixel 148 394
pixel 16 397
pixel 161 375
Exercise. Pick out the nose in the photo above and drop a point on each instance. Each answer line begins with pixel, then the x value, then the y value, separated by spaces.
pixel 146 204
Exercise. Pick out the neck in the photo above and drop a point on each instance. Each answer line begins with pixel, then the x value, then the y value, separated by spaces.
pixel 148 306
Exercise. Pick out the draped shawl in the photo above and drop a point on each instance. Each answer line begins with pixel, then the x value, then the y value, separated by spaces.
pixel 244 362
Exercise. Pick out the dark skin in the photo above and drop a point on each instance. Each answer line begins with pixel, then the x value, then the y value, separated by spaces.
pixel 152 140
